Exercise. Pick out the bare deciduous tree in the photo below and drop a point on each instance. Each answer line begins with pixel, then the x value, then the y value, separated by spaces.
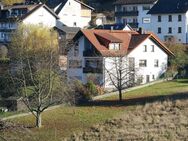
pixel 121 73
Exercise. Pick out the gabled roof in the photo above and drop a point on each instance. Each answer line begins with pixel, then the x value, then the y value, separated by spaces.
pixel 109 37
pixel 169 6
pixel 62 4
pixel 30 9
pixel 36 8
pixel 128 40
pixel 128 2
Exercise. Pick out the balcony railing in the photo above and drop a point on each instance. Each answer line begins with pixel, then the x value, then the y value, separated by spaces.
pixel 126 13
pixel 92 70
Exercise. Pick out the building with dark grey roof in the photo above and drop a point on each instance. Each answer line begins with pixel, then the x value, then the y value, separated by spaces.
pixel 170 20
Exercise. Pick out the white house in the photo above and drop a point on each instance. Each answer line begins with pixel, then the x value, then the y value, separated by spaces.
pixel 11 16
pixel 134 12
pixel 89 58
pixel 169 20
pixel 73 13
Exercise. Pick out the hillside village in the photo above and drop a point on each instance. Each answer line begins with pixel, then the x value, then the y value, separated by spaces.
pixel 92 53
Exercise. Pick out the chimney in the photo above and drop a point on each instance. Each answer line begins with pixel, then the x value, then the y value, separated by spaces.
pixel 112 28
pixel 140 30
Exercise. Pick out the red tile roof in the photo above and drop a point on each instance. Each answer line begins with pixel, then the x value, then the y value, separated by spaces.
pixel 127 39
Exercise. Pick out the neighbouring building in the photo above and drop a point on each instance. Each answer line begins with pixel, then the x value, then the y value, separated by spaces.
pixel 89 58
pixel 11 16
pixel 66 35
pixel 134 13
pixel 73 13
pixel 169 20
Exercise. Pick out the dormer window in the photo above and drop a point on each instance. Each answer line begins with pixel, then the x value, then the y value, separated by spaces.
pixel 114 46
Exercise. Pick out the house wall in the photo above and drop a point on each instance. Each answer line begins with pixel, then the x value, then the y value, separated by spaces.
pixel 41 17
pixel 186 27
pixel 73 16
pixel 142 14
pixel 165 24
pixel 139 54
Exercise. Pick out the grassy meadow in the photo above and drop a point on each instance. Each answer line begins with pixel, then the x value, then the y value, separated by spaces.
pixel 65 121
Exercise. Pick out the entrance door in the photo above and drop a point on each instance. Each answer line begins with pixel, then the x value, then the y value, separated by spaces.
pixel 147 79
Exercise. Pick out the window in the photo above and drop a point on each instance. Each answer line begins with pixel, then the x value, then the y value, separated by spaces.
pixel 134 8
pixel 114 46
pixel 74 24
pixel 124 8
pixel 156 63
pixel 153 77
pixel 2 35
pixel 179 29
pixel 159 18
pixel 146 20
pixel 152 48
pixel 146 7
pixel 179 18
pixel 140 79
pixel 142 63
pixel 169 18
pixel 145 48
pixel 170 30
pixel 159 30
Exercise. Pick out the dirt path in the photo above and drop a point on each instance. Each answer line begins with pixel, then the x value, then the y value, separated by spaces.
pixel 166 121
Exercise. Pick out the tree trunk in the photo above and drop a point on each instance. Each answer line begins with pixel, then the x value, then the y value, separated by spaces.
pixel 120 95
pixel 38 120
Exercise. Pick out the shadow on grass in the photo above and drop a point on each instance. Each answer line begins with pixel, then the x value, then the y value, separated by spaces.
pixel 137 101
pixel 182 81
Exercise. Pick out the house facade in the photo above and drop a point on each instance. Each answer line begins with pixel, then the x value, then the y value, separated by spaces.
pixel 91 56
pixel 73 13
pixel 170 23
pixel 134 13
pixel 11 16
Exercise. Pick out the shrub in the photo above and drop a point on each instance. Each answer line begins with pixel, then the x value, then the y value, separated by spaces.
pixel 91 89
pixel 78 92
pixel 6 87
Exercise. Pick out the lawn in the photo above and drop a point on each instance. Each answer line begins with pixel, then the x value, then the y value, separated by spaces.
pixel 64 121
pixel 160 89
